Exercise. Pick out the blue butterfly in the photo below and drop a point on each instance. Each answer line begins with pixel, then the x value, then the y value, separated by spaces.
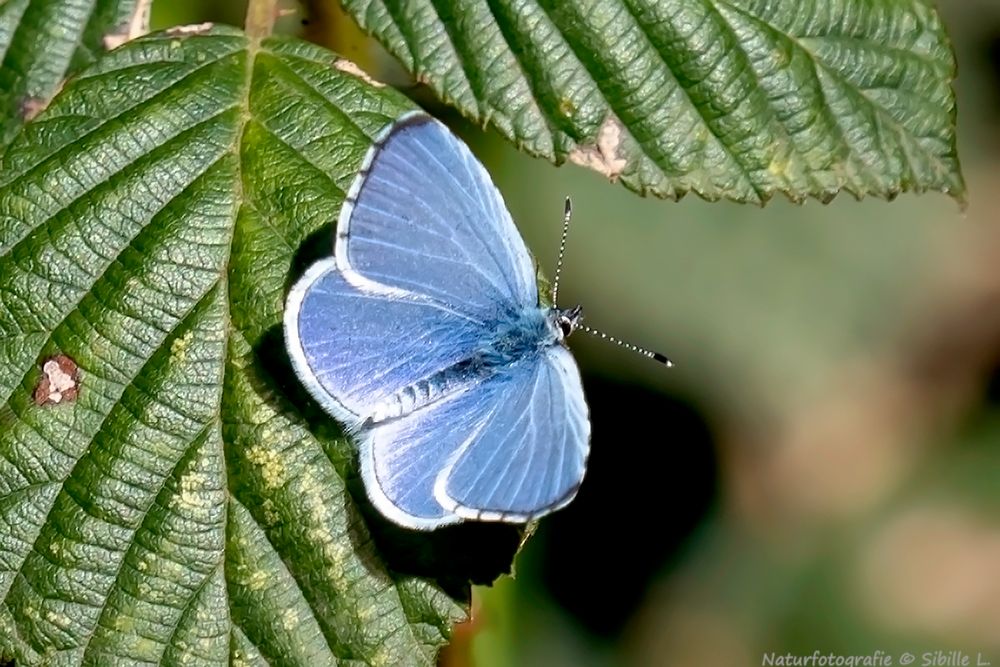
pixel 424 335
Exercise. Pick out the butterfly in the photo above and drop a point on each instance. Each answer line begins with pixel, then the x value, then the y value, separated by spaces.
pixel 425 336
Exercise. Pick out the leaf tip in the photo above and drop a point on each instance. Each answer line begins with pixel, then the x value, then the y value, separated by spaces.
pixel 958 192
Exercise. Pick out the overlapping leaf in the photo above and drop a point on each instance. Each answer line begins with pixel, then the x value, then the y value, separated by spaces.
pixel 44 41
pixel 726 98
pixel 179 510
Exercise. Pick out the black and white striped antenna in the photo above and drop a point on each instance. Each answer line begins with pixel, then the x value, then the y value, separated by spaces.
pixel 567 214
pixel 649 354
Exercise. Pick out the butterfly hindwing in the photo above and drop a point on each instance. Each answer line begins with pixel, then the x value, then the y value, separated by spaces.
pixel 530 456
pixel 510 447
pixel 402 458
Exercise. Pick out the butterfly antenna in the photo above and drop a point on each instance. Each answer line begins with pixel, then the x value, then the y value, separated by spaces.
pixel 567 214
pixel 649 354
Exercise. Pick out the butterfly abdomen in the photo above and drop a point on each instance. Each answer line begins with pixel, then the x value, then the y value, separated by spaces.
pixel 513 342
pixel 430 390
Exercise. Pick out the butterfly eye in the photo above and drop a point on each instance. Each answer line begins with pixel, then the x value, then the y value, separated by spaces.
pixel 569 320
pixel 566 326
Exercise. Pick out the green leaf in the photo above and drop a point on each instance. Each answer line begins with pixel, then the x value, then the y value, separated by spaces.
pixel 188 504
pixel 44 41
pixel 739 99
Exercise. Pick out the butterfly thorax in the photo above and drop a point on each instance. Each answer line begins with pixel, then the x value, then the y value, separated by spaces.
pixel 514 340
pixel 529 332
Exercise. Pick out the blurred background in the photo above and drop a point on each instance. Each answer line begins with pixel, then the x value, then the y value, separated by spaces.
pixel 821 469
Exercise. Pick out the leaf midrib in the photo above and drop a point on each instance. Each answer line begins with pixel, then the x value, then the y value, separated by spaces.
pixel 251 50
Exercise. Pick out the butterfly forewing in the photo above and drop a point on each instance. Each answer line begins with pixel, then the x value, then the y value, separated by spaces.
pixel 355 349
pixel 425 218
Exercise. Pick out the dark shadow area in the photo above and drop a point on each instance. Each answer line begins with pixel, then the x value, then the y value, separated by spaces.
pixel 992 389
pixel 992 52
pixel 651 479
pixel 455 556
pixel 317 246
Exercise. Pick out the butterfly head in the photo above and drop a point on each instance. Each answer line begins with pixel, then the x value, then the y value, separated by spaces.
pixel 567 320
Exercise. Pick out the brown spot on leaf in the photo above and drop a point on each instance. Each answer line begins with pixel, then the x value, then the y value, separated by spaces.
pixel 604 155
pixel 345 65
pixel 192 29
pixel 60 381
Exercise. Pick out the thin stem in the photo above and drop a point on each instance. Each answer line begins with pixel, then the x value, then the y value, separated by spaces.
pixel 261 15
